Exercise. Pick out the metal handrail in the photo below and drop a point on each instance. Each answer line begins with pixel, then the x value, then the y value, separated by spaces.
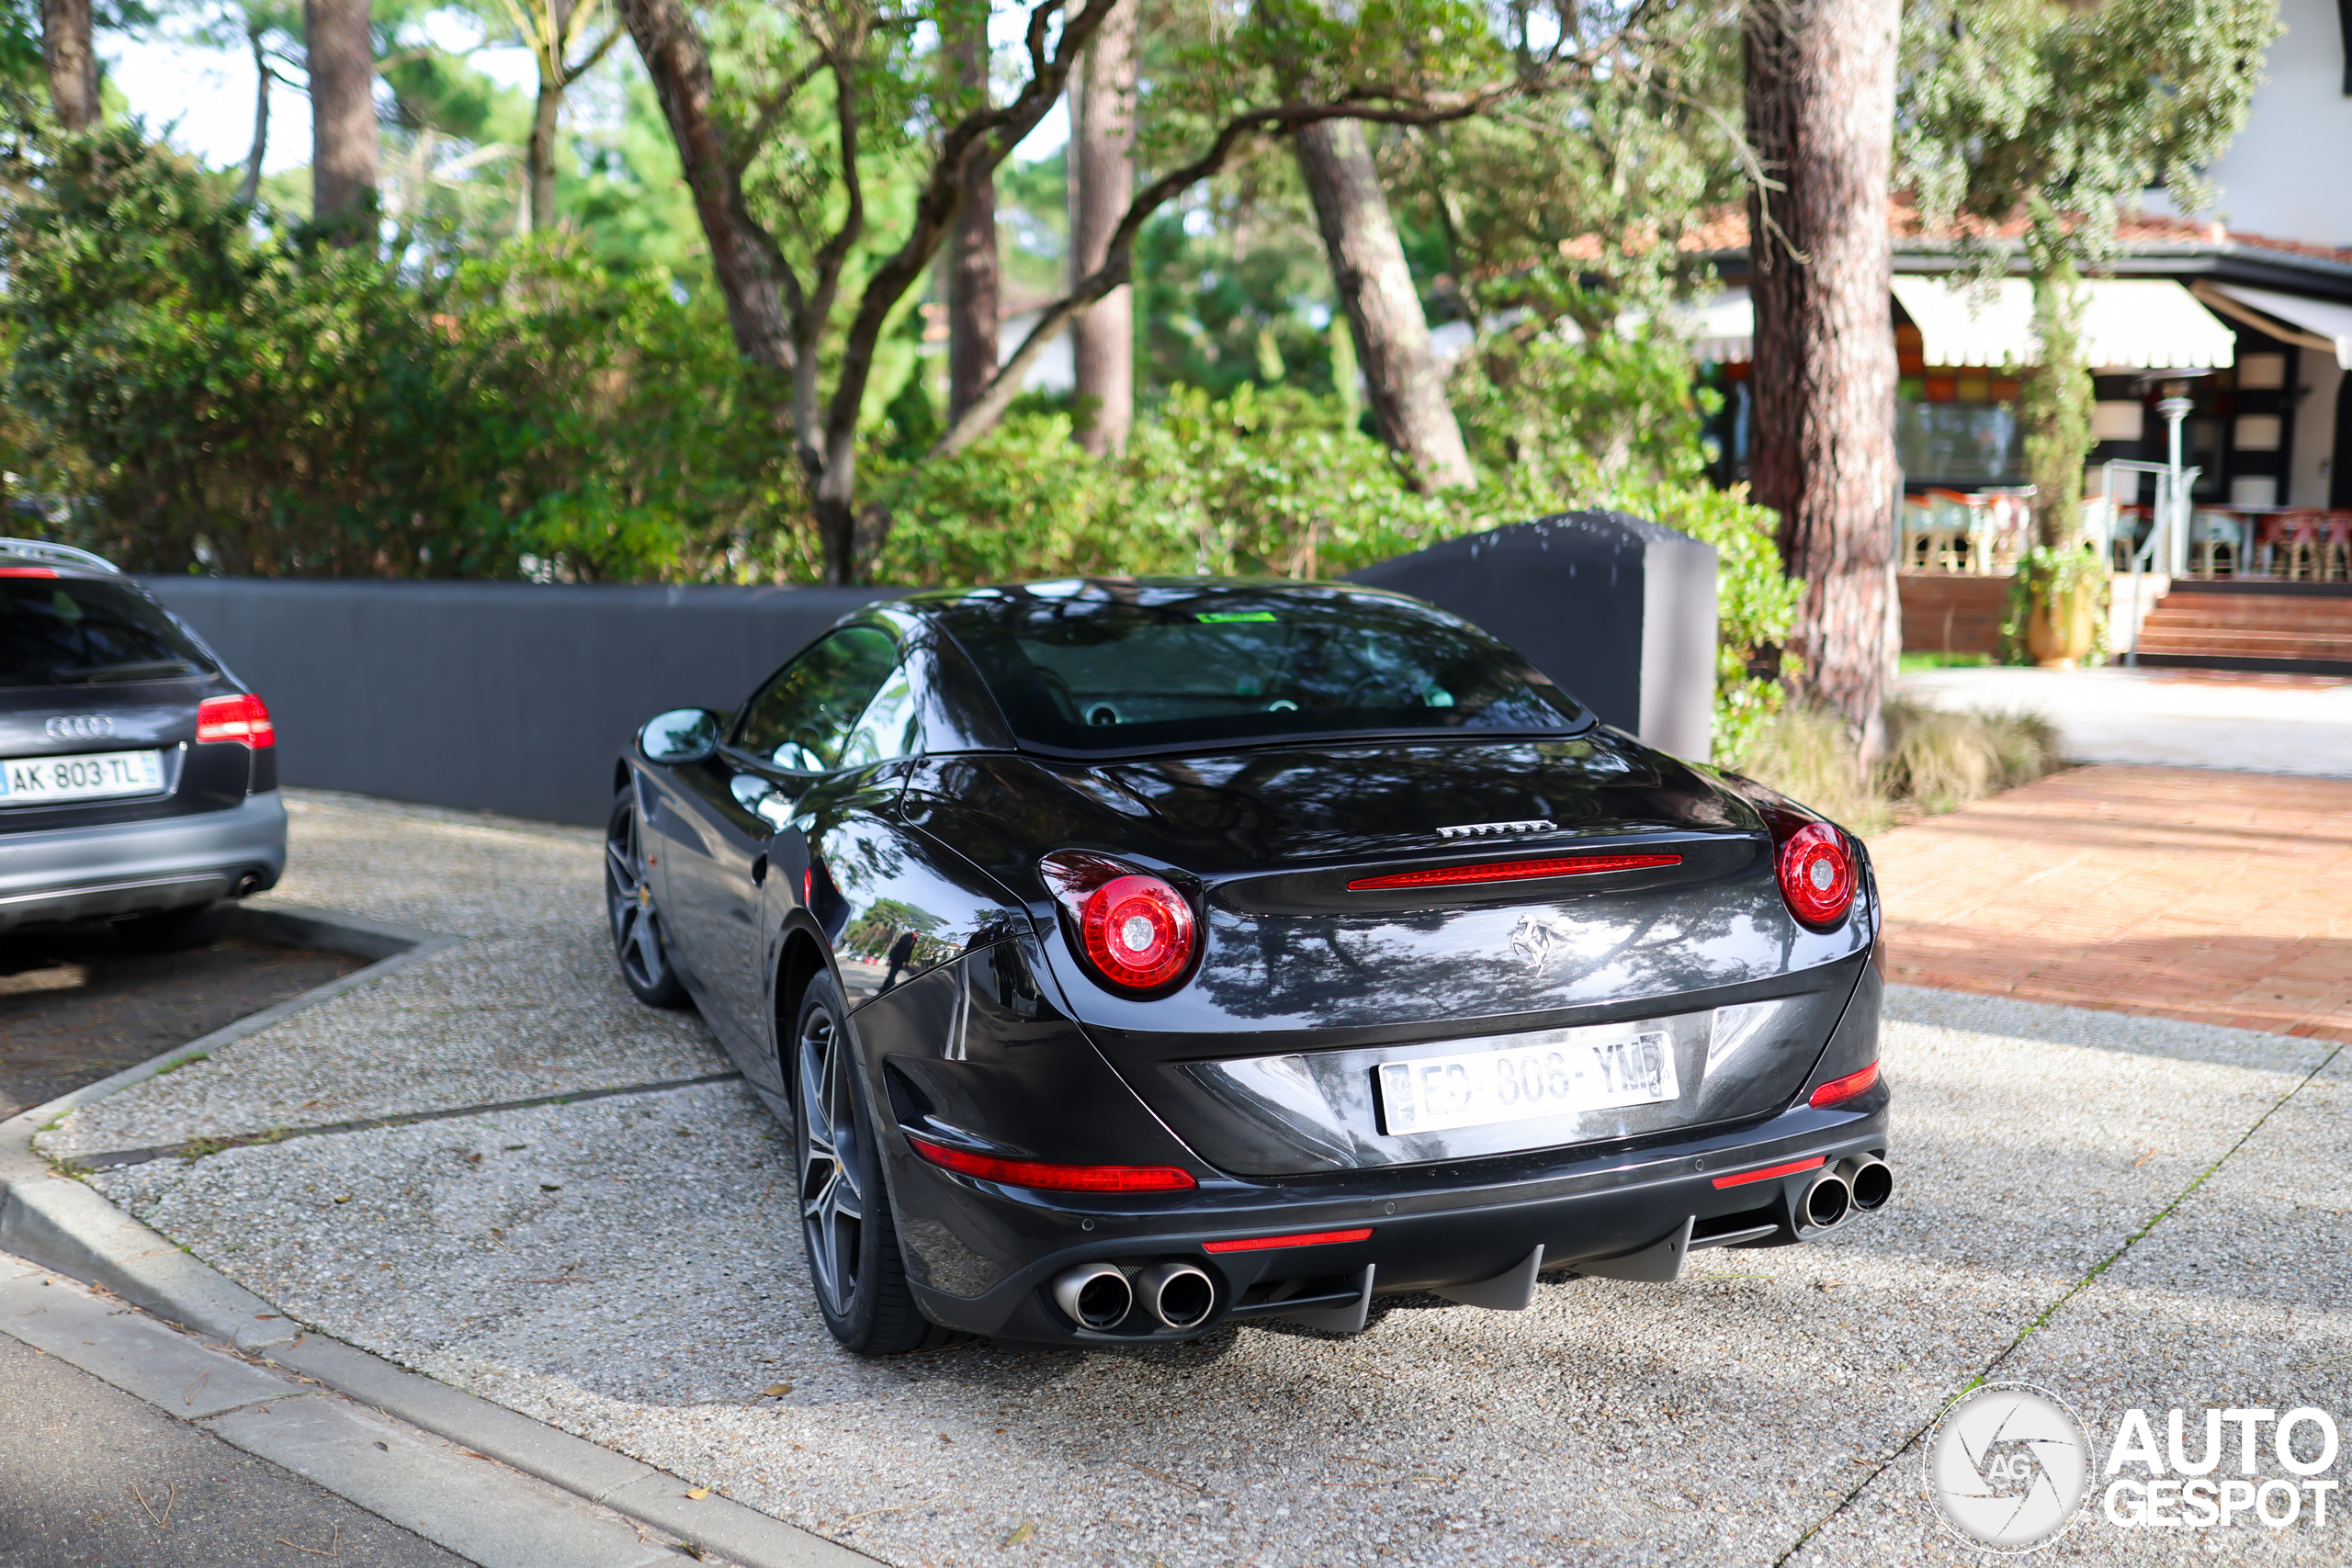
pixel 2170 523
pixel 57 555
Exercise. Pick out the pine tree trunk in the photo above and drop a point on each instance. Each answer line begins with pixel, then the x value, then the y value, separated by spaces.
pixel 249 189
pixel 72 62
pixel 1391 336
pixel 1103 182
pixel 971 248
pixel 1821 115
pixel 540 156
pixel 742 257
pixel 345 149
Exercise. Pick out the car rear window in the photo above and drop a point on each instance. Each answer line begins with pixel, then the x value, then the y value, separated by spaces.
pixel 65 631
pixel 1113 666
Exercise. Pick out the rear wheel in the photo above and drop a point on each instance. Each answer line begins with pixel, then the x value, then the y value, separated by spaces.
pixel 854 1265
pixel 638 943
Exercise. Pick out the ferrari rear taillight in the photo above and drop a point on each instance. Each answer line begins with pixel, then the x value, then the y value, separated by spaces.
pixel 1055 1178
pixel 244 718
pixel 1510 871
pixel 1135 929
pixel 1837 1091
pixel 1816 869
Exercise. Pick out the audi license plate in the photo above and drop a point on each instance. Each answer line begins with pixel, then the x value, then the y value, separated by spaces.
pixel 100 775
pixel 1557 1076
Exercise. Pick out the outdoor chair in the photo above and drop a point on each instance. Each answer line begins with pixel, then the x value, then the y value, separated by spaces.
pixel 2291 544
pixel 2213 534
pixel 1936 532
pixel 2335 547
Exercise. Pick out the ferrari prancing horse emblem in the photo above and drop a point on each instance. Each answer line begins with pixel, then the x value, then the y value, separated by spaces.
pixel 1539 936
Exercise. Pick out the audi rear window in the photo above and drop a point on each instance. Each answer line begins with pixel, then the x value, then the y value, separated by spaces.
pixel 1101 666
pixel 65 631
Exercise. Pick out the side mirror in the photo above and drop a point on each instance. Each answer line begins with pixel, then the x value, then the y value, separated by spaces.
pixel 682 735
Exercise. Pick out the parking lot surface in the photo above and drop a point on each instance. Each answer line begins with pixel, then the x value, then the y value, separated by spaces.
pixel 2125 1209
pixel 76 1005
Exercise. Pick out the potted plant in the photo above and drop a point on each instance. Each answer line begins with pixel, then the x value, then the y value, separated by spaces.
pixel 2059 594
pixel 2057 604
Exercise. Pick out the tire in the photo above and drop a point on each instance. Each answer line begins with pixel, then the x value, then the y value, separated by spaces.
pixel 640 947
pixel 174 931
pixel 855 1269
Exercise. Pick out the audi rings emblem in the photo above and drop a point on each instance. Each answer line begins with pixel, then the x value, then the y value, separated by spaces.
pixel 80 727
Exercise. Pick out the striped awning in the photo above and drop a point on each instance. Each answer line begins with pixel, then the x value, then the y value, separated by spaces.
pixel 2323 324
pixel 2128 324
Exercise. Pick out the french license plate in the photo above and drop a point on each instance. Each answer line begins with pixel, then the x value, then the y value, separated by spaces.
pixel 1558 1076
pixel 98 775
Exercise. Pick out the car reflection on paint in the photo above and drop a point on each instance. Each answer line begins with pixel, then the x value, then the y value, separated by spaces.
pixel 1133 957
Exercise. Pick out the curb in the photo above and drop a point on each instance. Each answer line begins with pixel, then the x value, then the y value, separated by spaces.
pixel 61 1224
pixel 485 1512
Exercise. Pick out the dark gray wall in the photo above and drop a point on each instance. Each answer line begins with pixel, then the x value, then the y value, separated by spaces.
pixel 507 697
pixel 1619 610
pixel 515 698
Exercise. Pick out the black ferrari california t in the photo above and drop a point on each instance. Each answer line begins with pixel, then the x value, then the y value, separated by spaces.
pixel 1131 957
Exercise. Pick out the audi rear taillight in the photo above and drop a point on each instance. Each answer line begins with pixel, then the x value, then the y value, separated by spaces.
pixel 244 718
pixel 1816 870
pixel 1135 929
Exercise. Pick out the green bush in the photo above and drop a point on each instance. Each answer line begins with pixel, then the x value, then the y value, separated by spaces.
pixel 218 394
pixel 213 390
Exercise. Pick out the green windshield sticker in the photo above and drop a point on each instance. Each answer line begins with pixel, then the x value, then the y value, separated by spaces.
pixel 1222 617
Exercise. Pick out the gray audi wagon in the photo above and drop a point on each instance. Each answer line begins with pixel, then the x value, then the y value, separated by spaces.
pixel 138 775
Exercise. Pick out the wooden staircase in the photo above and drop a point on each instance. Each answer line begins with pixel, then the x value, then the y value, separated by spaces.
pixel 2303 628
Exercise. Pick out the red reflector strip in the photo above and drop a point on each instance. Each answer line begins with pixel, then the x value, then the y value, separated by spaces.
pixel 1836 1092
pixel 1305 1238
pixel 1055 1178
pixel 28 572
pixel 1769 1171
pixel 1511 871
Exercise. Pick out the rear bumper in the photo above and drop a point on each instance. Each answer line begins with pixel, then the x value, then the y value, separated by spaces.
pixel 1429 1228
pixel 127 868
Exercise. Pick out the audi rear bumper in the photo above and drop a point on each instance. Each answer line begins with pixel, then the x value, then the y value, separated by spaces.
pixel 132 868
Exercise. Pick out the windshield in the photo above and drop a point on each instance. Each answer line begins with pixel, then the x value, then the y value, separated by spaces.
pixel 65 631
pixel 1112 666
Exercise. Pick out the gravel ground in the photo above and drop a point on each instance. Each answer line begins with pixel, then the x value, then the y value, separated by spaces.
pixel 526 1006
pixel 624 1268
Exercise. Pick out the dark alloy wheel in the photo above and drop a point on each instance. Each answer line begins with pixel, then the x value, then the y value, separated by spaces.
pixel 638 945
pixel 854 1261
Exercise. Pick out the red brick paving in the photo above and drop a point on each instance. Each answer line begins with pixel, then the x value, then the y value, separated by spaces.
pixel 2215 898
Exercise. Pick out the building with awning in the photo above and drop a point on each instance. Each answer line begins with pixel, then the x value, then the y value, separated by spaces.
pixel 2268 321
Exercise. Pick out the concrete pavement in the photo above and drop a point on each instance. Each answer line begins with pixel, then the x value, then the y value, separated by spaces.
pixel 2177 719
pixel 136 1443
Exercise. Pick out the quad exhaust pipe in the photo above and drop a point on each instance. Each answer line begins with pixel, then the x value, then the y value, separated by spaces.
pixel 1870 1182
pixel 1094 1294
pixel 1102 1295
pixel 1859 1185
pixel 1826 1203
pixel 1177 1294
